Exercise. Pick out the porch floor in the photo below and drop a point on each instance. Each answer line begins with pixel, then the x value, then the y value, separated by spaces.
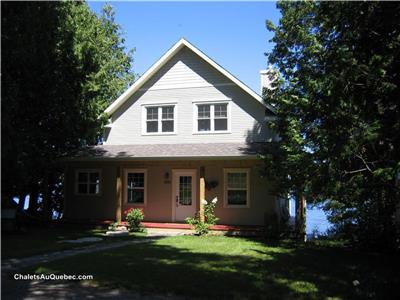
pixel 214 227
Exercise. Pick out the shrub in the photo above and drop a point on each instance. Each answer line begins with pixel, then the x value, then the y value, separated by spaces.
pixel 113 226
pixel 203 227
pixel 199 226
pixel 134 217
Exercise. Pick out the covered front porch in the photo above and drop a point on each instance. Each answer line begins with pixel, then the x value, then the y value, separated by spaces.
pixel 168 189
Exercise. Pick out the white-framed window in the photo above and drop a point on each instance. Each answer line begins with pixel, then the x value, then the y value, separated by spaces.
pixel 211 117
pixel 136 186
pixel 87 182
pixel 159 119
pixel 237 187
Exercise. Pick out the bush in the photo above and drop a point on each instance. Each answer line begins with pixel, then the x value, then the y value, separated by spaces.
pixel 203 227
pixel 199 226
pixel 113 226
pixel 134 217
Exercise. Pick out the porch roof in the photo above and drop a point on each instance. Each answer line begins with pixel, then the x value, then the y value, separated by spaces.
pixel 170 151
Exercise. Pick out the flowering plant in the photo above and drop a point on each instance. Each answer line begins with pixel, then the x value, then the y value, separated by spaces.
pixel 203 227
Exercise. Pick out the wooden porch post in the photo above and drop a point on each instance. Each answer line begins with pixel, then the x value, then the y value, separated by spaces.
pixel 118 195
pixel 202 192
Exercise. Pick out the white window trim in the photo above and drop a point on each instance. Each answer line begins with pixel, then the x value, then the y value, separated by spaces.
pixel 212 130
pixel 77 171
pixel 236 170
pixel 159 105
pixel 126 187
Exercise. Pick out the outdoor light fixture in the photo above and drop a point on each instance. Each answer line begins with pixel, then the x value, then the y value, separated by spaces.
pixel 166 175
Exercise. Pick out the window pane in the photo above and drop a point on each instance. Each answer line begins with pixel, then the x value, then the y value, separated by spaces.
pixel 152 126
pixel 221 124
pixel 136 196
pixel 152 113
pixel 167 126
pixel 237 180
pixel 185 190
pixel 168 113
pixel 82 188
pixel 204 125
pixel 82 177
pixel 220 110
pixel 237 197
pixel 135 180
pixel 203 111
pixel 94 177
pixel 93 188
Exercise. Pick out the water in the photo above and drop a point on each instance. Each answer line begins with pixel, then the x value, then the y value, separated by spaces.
pixel 315 218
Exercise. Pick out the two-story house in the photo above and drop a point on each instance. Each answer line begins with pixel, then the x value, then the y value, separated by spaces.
pixel 186 130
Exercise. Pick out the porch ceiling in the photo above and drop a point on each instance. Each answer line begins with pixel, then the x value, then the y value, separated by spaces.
pixel 171 151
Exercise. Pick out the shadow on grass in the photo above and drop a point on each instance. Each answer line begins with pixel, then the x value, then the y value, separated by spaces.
pixel 236 269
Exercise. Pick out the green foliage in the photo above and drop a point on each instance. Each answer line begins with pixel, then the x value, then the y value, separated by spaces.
pixel 209 214
pixel 113 226
pixel 203 227
pixel 200 227
pixel 62 65
pixel 134 217
pixel 338 111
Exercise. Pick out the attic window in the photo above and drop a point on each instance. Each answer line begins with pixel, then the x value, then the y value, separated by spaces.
pixel 159 119
pixel 212 118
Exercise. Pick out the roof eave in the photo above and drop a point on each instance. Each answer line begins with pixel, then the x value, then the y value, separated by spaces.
pixel 162 158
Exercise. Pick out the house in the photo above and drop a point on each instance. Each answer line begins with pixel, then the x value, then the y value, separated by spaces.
pixel 186 130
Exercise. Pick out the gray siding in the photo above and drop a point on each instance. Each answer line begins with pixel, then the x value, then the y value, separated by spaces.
pixel 185 79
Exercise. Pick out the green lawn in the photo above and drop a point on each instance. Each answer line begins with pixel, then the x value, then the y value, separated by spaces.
pixel 217 267
pixel 38 241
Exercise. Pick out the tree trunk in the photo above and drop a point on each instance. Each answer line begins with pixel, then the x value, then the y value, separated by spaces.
pixel 47 183
pixel 301 205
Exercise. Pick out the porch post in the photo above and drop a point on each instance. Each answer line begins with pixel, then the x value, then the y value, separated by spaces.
pixel 202 192
pixel 118 195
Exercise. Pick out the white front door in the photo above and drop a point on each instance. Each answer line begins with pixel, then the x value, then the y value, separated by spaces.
pixel 184 194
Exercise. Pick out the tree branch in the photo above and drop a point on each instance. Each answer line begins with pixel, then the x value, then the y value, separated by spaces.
pixel 355 171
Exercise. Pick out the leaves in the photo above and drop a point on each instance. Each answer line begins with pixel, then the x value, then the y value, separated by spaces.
pixel 338 109
pixel 63 65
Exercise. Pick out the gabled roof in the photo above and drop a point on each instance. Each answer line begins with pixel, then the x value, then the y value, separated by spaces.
pixel 164 59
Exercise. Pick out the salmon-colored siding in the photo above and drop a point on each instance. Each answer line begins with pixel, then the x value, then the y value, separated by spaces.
pixel 159 191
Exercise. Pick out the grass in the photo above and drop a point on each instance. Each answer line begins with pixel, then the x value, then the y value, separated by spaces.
pixel 217 267
pixel 44 240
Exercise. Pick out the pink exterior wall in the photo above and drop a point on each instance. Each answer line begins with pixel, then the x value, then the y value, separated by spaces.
pixel 159 191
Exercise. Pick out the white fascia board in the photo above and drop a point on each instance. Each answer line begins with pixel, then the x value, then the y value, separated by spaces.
pixel 165 58
pixel 228 75
pixel 146 76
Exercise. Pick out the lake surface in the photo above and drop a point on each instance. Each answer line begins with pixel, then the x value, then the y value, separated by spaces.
pixel 316 218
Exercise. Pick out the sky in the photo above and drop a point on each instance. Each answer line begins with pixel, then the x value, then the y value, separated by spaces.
pixel 233 34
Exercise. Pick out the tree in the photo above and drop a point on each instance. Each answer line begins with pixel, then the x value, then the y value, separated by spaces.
pixel 62 65
pixel 338 111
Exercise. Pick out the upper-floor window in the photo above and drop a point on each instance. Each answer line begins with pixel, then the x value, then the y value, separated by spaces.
pixel 159 119
pixel 212 117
